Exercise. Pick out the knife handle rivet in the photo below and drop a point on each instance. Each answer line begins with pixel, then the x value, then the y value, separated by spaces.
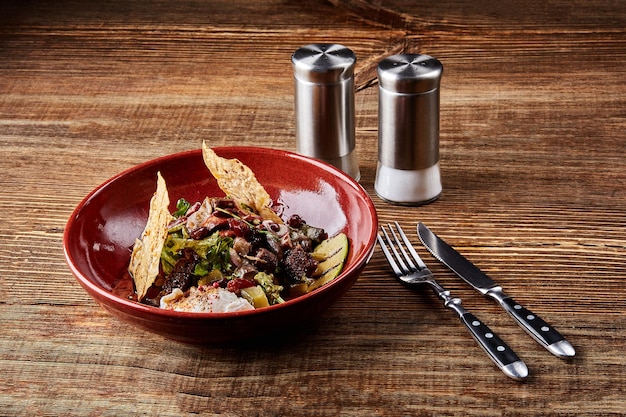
pixel 545 329
pixel 517 307
pixel 501 348
pixel 488 335
pixel 530 317
pixel 475 323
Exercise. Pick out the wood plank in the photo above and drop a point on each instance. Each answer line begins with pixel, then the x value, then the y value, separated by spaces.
pixel 532 139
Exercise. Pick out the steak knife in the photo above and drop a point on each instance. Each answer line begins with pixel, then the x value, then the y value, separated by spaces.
pixel 542 332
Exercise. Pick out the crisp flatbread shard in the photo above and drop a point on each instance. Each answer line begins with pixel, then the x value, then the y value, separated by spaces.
pixel 146 256
pixel 239 182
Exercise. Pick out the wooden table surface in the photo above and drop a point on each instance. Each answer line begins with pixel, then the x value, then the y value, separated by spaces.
pixel 533 122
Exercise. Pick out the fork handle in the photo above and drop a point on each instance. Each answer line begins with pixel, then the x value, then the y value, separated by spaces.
pixel 501 354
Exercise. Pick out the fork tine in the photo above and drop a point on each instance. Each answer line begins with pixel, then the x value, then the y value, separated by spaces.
pixel 411 249
pixel 398 243
pixel 394 249
pixel 388 255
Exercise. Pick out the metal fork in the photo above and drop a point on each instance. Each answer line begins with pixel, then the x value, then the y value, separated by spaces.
pixel 412 271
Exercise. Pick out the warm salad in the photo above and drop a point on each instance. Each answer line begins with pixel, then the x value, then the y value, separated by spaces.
pixel 229 253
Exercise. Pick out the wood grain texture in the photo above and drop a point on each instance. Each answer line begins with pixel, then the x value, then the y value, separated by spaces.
pixel 532 156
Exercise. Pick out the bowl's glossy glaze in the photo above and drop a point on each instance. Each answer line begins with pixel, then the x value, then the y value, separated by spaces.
pixel 102 229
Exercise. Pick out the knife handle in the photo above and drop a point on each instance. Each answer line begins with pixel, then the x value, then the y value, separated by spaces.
pixel 542 332
pixel 499 352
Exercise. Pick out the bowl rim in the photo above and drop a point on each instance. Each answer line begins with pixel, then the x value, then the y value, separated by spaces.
pixel 91 286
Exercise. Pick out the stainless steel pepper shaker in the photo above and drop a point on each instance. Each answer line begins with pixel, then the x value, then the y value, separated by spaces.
pixel 408 129
pixel 324 105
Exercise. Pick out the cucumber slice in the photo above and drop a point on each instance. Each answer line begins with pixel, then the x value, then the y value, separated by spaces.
pixel 331 255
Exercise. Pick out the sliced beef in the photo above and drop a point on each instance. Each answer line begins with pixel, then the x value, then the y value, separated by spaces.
pixel 265 260
pixel 181 275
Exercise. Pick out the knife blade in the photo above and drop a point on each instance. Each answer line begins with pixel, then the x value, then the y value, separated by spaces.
pixel 542 332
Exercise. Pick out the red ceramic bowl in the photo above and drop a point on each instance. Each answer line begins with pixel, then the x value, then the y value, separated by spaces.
pixel 104 226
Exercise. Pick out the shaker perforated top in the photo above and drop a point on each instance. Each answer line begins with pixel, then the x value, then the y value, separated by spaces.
pixel 411 74
pixel 323 63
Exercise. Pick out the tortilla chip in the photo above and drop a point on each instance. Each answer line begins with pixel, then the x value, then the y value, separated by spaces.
pixel 239 182
pixel 146 257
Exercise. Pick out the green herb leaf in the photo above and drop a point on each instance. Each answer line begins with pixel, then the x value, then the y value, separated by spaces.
pixel 182 206
pixel 218 255
pixel 214 250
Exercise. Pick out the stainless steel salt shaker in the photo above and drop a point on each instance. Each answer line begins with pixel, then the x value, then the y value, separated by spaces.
pixel 408 129
pixel 324 105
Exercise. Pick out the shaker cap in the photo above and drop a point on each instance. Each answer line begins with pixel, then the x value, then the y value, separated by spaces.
pixel 410 73
pixel 323 63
